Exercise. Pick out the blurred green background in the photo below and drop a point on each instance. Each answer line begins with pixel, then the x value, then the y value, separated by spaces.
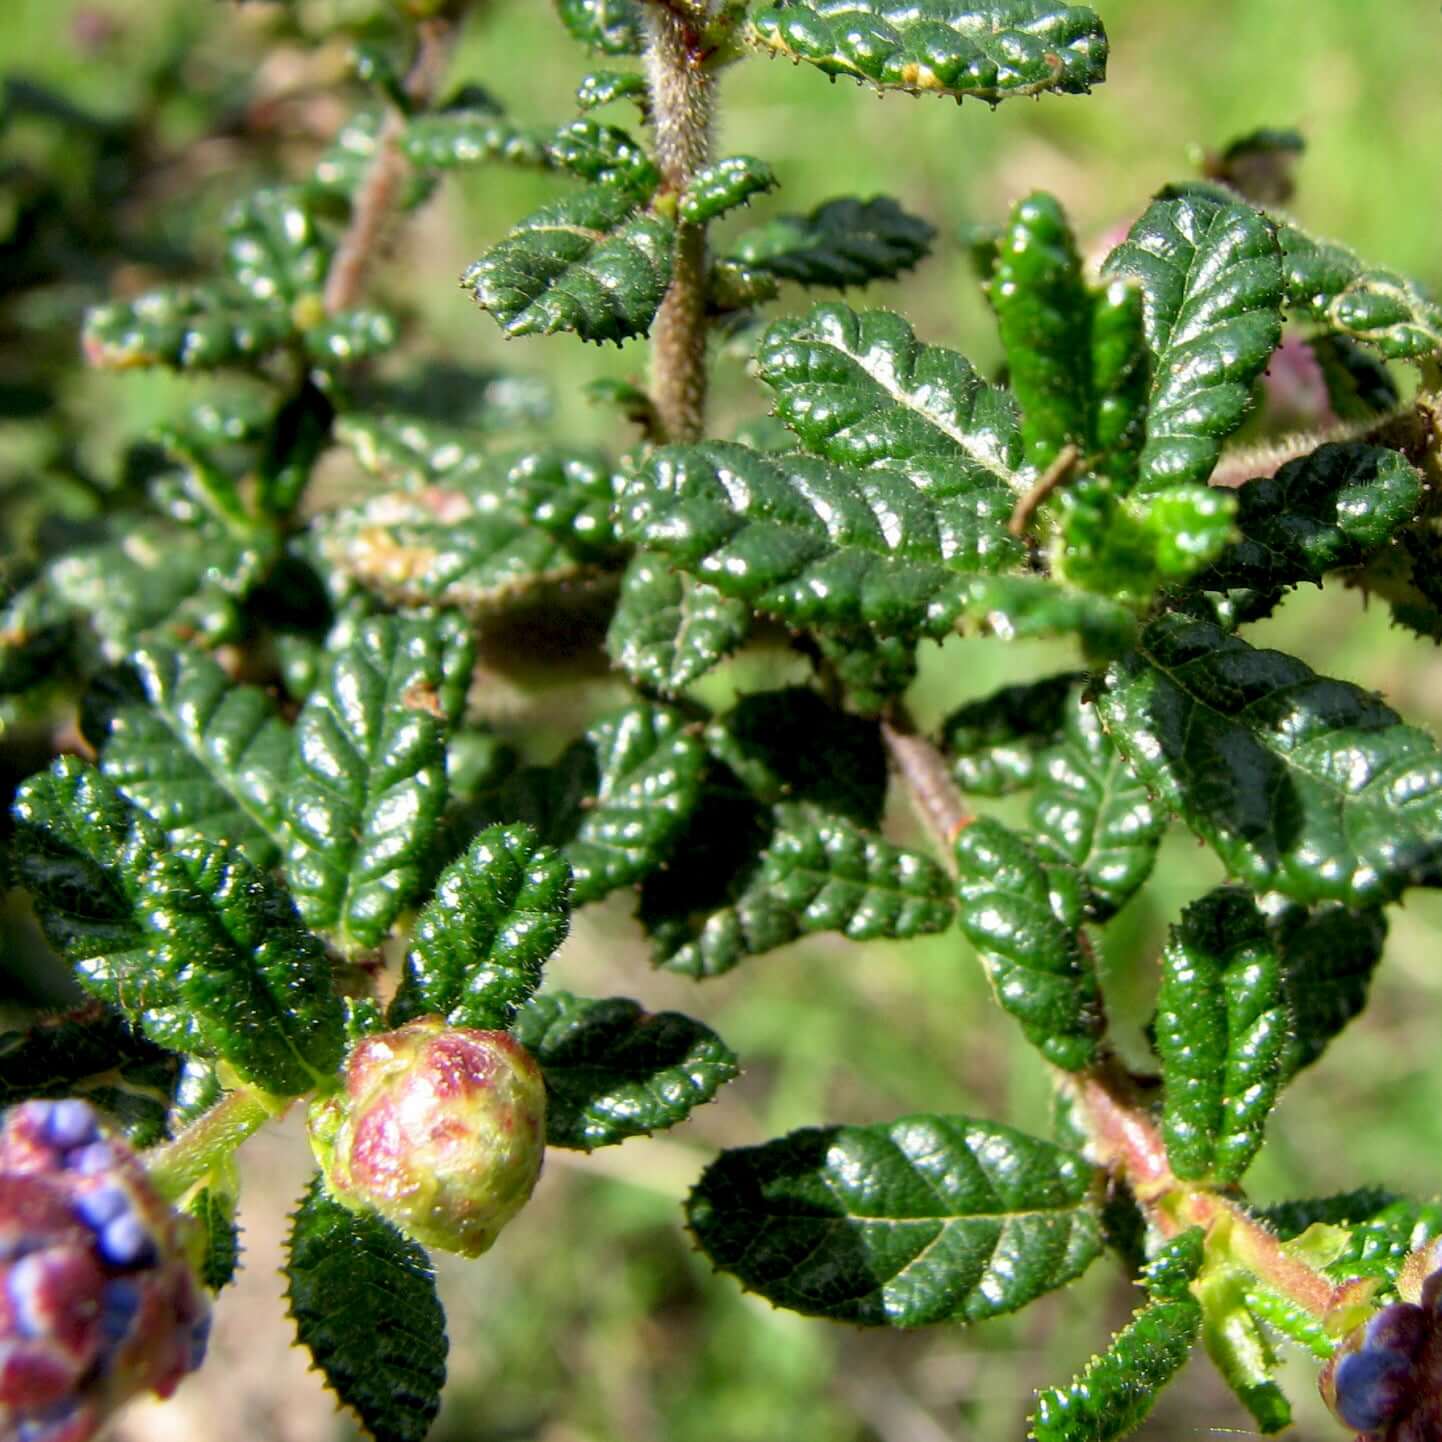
pixel 595 1319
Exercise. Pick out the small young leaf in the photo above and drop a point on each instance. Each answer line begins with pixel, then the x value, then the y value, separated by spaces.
pixel 1328 957
pixel 859 389
pixel 1327 283
pixel 592 263
pixel 1024 608
pixel 1221 1031
pixel 818 873
pixel 214 1215
pixel 1115 1391
pixel 365 1305
pixel 469 135
pixel 996 744
pixel 614 1071
pixel 1327 510
pixel 273 250
pixel 604 155
pixel 207 758
pixel 991 51
pixel 611 26
pixel 1301 784
pixel 723 186
pixel 1360 387
pixel 927 1219
pixel 1291 1219
pixel 1022 910
pixel 605 87
pixel 843 242
pixel 1092 809
pixel 185 329
pixel 668 630
pixel 368 783
pixel 1211 279
pixel 478 946
pixel 1384 1238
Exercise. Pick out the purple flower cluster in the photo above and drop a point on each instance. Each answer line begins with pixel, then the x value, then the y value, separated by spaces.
pixel 98 1301
pixel 1386 1382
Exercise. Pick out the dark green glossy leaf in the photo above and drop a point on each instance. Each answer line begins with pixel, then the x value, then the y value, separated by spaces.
pixel 668 630
pixel 592 263
pixel 819 872
pixel 1383 1239
pixel 1175 1266
pixel 1302 785
pixel 273 248
pixel 732 285
pixel 1259 165
pixel 1359 385
pixel 927 1219
pixel 94 1054
pixel 1022 910
pixel 1113 1394
pixel 214 1215
pixel 350 336
pixel 611 26
pixel 1327 283
pixel 1211 279
pixel 471 135
pixel 1025 608
pixel 604 155
pixel 859 389
pixel 205 757
pixel 943 47
pixel 186 330
pixel 841 243
pixel 1092 809
pixel 1328 957
pixel 1221 1032
pixel 814 543
pixel 36 630
pixel 614 1071
pixel 872 670
pixel 1330 509
pixel 996 744
pixel 365 1306
pixel 368 783
pixel 1290 1219
pixel 723 186
pixel 605 87
pixel 478 946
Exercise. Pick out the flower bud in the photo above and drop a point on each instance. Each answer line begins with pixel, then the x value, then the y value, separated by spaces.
pixel 98 1302
pixel 439 1129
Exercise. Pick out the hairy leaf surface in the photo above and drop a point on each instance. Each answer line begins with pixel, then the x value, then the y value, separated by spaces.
pixel 615 1071
pixel 945 47
pixel 1211 279
pixel 843 242
pixel 1302 785
pixel 365 1306
pixel 479 944
pixel 1221 1032
pixel 723 186
pixel 927 1219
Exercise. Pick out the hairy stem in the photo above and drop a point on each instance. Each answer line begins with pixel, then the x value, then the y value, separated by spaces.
pixel 376 199
pixel 176 1167
pixel 682 96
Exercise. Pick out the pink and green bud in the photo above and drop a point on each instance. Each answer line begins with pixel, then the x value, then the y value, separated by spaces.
pixel 98 1301
pixel 439 1129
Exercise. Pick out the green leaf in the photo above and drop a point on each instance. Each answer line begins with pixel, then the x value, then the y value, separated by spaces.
pixel 996 744
pixel 990 51
pixel 1301 784
pixel 859 389
pixel 471 135
pixel 1175 1266
pixel 36 630
pixel 592 263
pixel 721 187
pixel 185 329
pixel 1077 362
pixel 819 872
pixel 1115 1392
pixel 273 249
pixel 1026 608
pixel 668 630
pixel 813 543
pixel 604 155
pixel 365 1305
pixel 614 1071
pixel 1290 1219
pixel 214 1215
pixel 872 670
pixel 611 26
pixel 901 1224
pixel 1211 279
pixel 843 242
pixel 1327 510
pixel 368 784
pixel 1093 809
pixel 1383 1239
pixel 605 87
pixel 1360 387
pixel 92 1054
pixel 1022 911
pixel 1328 957
pixel 1221 1032
pixel 207 758
pixel 350 336
pixel 1327 283
pixel 478 946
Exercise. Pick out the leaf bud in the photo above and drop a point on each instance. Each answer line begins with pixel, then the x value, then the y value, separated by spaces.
pixel 98 1301
pixel 439 1129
